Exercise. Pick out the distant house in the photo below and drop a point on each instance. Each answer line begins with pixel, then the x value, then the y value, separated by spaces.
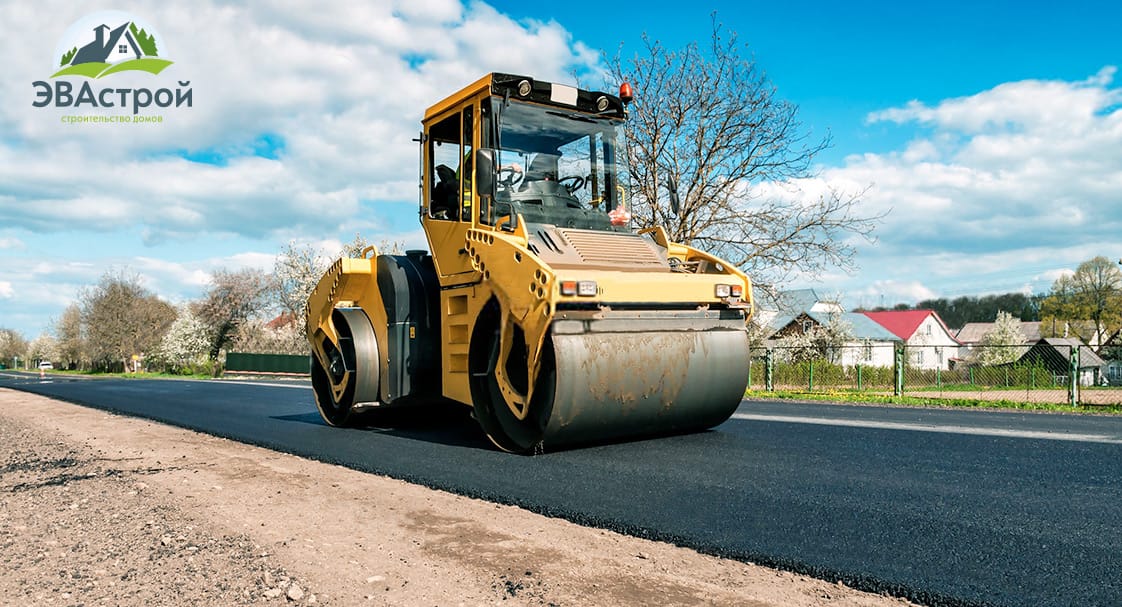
pixel 284 319
pixel 929 343
pixel 776 311
pixel 872 345
pixel 1109 352
pixel 1054 353
pixel 109 46
pixel 971 333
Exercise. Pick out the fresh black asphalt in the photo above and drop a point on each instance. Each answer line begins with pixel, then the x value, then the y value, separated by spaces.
pixel 942 518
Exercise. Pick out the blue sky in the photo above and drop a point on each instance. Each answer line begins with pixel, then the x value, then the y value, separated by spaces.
pixel 990 132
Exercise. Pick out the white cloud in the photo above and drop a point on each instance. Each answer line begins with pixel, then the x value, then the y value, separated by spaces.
pixel 1023 164
pixel 343 86
pixel 894 291
pixel 334 92
pixel 6 290
pixel 998 191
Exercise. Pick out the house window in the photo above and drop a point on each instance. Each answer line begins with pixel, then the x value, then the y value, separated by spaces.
pixel 868 350
pixel 927 329
pixel 122 48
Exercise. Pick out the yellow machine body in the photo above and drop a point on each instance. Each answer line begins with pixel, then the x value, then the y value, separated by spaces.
pixel 538 305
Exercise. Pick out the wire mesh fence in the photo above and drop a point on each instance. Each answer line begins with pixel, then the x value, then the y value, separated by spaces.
pixel 1061 374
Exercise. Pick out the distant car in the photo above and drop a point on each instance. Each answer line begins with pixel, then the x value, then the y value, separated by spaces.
pixel 46 364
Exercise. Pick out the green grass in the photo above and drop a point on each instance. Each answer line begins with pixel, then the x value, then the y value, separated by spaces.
pixel 151 65
pixel 956 387
pixel 844 396
pixel 89 70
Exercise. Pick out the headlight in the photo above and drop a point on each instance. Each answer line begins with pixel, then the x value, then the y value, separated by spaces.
pixel 583 288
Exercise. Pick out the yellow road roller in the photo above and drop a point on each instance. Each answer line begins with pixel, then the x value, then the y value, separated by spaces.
pixel 537 304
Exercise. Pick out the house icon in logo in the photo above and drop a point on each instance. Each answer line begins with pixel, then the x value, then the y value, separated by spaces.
pixel 125 47
pixel 109 46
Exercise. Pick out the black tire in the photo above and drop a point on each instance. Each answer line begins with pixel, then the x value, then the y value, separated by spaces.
pixel 500 424
pixel 337 413
pixel 357 352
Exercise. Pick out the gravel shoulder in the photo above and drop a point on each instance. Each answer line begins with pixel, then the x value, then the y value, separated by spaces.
pixel 100 509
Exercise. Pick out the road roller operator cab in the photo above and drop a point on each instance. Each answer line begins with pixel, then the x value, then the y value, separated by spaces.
pixel 537 303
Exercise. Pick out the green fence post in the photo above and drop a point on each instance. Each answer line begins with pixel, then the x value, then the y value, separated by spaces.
pixel 858 378
pixel 1073 377
pixel 898 371
pixel 810 378
pixel 749 372
pixel 1032 377
pixel 939 377
pixel 1006 376
pixel 971 377
pixel 769 371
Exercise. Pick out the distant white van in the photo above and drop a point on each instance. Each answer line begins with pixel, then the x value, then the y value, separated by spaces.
pixel 46 364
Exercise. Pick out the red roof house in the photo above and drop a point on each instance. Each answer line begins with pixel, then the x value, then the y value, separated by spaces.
pixel 930 343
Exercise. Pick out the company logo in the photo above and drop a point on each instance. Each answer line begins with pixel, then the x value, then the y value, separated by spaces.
pixel 106 43
pixel 103 44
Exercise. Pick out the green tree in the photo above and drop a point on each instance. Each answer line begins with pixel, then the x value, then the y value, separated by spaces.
pixel 67 56
pixel 146 41
pixel 1093 293
pixel 709 120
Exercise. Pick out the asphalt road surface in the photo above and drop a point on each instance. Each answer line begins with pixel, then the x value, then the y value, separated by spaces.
pixel 945 507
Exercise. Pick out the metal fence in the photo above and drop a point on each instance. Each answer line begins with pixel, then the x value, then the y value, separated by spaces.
pixel 272 364
pixel 1041 373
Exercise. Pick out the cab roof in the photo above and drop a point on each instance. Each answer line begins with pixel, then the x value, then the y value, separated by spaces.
pixel 537 91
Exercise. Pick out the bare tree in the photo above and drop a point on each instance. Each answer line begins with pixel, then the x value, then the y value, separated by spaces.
pixel 68 332
pixel 43 348
pixel 233 298
pixel 271 338
pixel 356 247
pixel 298 269
pixel 122 319
pixel 295 273
pixel 710 122
pixel 12 346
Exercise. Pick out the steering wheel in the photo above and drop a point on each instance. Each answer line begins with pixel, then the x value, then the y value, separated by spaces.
pixel 576 182
pixel 509 175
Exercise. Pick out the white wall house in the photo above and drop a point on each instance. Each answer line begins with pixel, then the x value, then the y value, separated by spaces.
pixel 928 341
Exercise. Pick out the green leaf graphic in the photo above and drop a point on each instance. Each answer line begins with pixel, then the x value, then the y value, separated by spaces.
pixel 68 56
pixel 146 41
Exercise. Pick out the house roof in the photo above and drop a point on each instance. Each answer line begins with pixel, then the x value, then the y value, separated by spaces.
pixel 973 332
pixel 863 327
pixel 1063 346
pixel 787 303
pixel 94 53
pixel 903 323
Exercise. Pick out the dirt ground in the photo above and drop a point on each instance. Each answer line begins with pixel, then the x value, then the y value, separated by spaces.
pixel 99 509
